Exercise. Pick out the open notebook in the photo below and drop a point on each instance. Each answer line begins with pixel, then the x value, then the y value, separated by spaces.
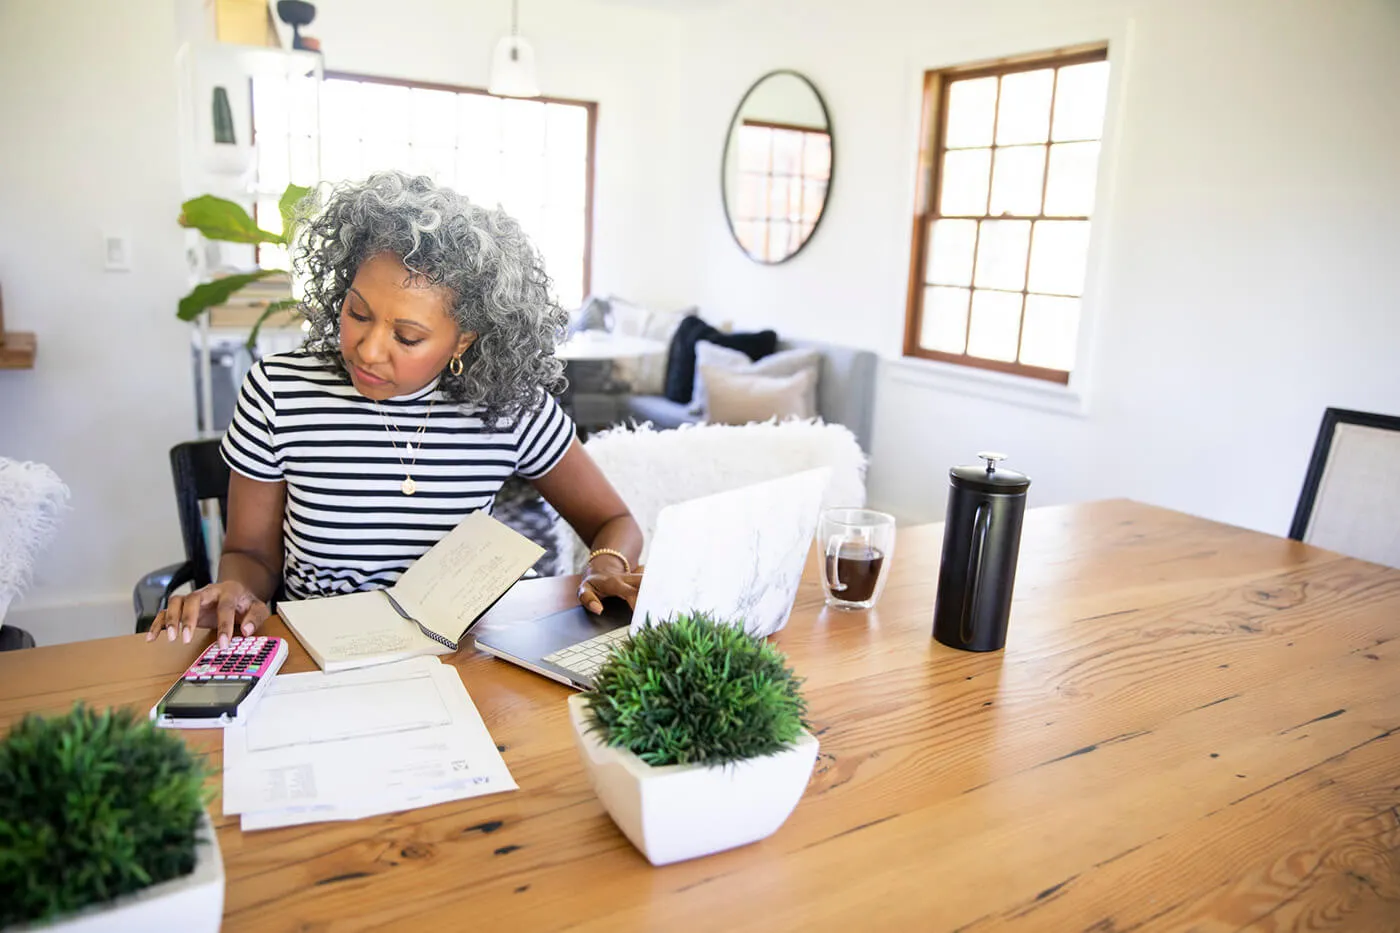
pixel 427 611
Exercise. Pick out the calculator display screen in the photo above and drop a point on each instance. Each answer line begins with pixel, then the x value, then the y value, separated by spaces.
pixel 207 693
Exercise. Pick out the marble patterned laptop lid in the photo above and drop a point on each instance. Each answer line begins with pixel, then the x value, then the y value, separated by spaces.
pixel 738 555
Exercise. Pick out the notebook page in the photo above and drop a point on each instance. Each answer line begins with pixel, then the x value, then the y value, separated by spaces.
pixel 449 587
pixel 354 630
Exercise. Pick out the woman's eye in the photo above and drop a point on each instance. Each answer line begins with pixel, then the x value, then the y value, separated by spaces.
pixel 357 316
pixel 409 343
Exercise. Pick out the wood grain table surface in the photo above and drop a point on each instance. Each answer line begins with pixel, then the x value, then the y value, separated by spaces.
pixel 1192 727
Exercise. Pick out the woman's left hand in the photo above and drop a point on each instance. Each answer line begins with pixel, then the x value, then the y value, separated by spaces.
pixel 598 584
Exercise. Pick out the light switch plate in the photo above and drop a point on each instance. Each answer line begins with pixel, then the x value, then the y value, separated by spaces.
pixel 116 252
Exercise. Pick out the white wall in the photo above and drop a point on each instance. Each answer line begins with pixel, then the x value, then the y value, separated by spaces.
pixel 1242 267
pixel 87 145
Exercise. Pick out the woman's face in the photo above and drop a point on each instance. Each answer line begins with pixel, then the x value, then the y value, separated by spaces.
pixel 395 335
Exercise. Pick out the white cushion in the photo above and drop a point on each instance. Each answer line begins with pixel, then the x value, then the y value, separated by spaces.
pixel 647 374
pixel 651 469
pixel 781 363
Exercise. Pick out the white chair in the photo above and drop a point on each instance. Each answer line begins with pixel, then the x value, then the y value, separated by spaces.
pixel 652 469
pixel 1351 497
pixel 32 498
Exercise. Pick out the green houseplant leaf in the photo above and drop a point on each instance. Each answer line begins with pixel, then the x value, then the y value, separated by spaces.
pixel 287 206
pixel 222 219
pixel 93 805
pixel 271 309
pixel 696 691
pixel 209 294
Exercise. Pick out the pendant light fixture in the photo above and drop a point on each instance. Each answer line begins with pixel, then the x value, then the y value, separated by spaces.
pixel 513 66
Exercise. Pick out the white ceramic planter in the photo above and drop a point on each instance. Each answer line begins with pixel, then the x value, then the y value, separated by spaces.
pixel 191 904
pixel 681 812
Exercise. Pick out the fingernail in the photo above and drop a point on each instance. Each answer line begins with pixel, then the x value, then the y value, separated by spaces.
pixel 150 636
pixel 223 641
pixel 187 635
pixel 170 632
pixel 247 628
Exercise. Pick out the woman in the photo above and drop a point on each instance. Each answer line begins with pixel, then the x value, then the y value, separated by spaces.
pixel 425 383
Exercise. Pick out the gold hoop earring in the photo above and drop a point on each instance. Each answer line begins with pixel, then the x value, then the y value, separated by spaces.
pixel 455 366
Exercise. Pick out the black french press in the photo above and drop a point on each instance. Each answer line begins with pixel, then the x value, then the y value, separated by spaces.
pixel 980 542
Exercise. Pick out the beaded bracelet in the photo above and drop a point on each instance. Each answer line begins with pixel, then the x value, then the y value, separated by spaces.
pixel 626 564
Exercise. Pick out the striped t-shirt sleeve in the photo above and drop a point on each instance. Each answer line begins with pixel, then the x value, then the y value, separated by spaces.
pixel 249 446
pixel 545 437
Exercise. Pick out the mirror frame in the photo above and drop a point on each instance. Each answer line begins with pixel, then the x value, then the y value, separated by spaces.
pixel 724 152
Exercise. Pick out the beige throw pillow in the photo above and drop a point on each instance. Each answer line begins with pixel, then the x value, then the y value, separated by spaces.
pixel 738 398
pixel 781 363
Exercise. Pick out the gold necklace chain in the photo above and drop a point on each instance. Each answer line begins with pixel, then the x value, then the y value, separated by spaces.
pixel 408 487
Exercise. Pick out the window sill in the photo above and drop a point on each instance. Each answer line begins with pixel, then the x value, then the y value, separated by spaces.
pixel 988 384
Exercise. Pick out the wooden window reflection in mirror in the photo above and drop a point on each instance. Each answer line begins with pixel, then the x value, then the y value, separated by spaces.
pixel 783 176
pixel 1008 165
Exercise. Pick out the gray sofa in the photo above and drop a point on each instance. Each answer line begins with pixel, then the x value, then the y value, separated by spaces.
pixel 845 395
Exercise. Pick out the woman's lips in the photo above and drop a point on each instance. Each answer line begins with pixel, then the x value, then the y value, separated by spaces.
pixel 369 377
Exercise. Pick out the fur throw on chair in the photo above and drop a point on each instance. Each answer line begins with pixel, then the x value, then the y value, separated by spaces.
pixel 31 499
pixel 652 469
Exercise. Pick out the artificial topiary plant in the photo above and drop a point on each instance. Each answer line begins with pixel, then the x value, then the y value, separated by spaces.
pixel 93 805
pixel 221 219
pixel 696 691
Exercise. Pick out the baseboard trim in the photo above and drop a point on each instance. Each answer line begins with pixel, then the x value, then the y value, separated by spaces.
pixel 60 623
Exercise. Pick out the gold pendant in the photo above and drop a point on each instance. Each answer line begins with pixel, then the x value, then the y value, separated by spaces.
pixel 408 486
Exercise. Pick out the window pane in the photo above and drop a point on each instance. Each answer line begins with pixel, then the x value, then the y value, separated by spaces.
pixel 522 127
pixel 1079 101
pixel 816 158
pixel 1018 174
pixel 340 160
pixel 971 110
pixel 1059 254
pixel 302 162
pixel 1025 107
pixel 383 113
pixel 796 191
pixel 753 195
pixel 787 152
pixel 433 117
pixel 749 237
pixel 777 198
pixel 437 162
pixel 964 184
pixel 996 323
pixel 779 233
pixel 813 199
pixel 950 247
pixel 1049 334
pixel 755 148
pixel 340 119
pixel 1070 184
pixel 381 154
pixel 1001 254
pixel 944 323
pixel 479 117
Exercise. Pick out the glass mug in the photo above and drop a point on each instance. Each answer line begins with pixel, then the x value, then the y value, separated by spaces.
pixel 857 546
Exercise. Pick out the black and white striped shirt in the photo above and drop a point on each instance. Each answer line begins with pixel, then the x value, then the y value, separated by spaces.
pixel 348 525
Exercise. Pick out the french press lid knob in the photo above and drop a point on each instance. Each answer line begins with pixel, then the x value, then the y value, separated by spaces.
pixel 985 477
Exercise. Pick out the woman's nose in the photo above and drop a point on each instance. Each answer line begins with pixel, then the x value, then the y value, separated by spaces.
pixel 374 346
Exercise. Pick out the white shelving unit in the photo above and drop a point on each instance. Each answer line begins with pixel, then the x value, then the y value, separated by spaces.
pixel 248 170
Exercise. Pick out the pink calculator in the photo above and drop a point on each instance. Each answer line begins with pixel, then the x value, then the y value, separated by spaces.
pixel 223 685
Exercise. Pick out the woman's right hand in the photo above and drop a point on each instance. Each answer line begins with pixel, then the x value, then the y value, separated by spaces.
pixel 219 605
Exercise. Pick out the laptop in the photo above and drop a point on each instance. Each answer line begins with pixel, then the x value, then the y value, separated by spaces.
pixel 737 555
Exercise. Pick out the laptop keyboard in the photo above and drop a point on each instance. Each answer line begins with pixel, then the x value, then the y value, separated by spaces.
pixel 587 656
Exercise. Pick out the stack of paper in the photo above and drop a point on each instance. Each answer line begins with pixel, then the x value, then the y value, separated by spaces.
pixel 359 743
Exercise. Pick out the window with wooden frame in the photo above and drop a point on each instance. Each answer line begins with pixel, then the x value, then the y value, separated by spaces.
pixel 784 171
pixel 1008 165
pixel 534 156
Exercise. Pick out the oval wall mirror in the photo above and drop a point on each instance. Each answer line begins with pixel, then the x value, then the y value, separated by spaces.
pixel 778 166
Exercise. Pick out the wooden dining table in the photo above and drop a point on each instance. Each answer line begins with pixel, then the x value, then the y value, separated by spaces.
pixel 1192 727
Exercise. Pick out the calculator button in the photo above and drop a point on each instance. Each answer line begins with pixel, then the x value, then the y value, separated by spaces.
pixel 221 677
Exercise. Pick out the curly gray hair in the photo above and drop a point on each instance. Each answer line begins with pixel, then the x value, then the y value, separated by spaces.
pixel 481 255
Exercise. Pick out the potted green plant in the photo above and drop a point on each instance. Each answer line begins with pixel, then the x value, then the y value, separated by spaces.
pixel 694 738
pixel 221 219
pixel 103 826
